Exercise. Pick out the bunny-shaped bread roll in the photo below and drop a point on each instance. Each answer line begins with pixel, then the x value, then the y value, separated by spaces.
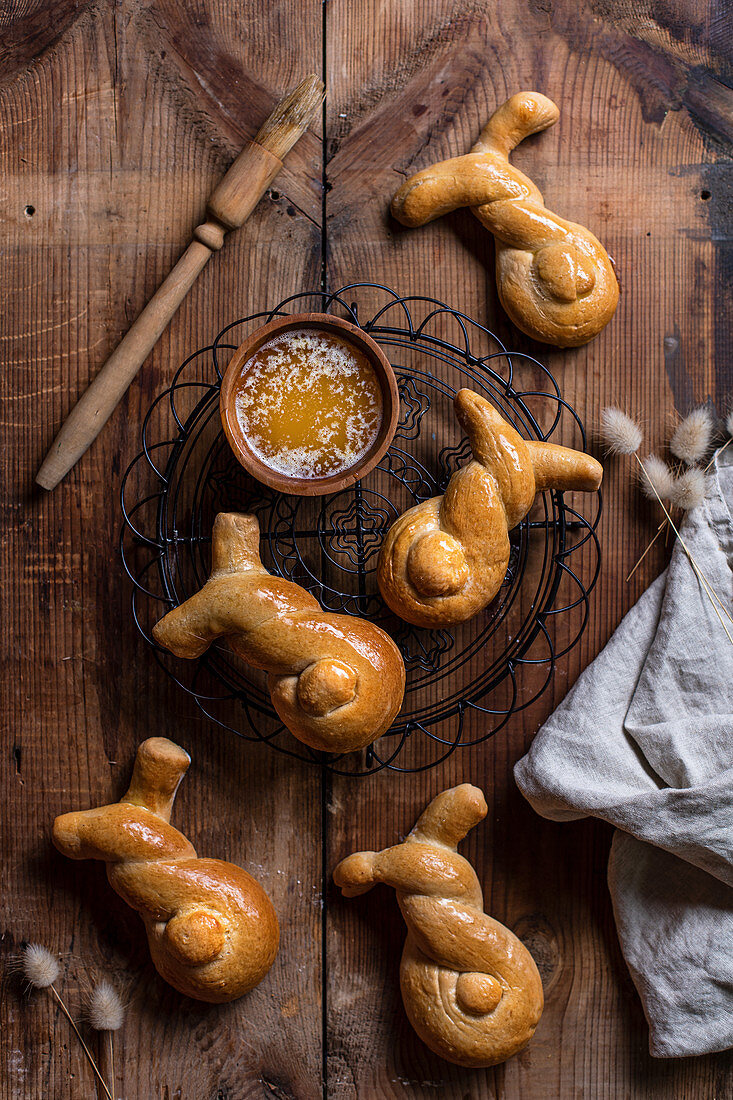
pixel 336 681
pixel 555 279
pixel 470 988
pixel 444 560
pixel 212 930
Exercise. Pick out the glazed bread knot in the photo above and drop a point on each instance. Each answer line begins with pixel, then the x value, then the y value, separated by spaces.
pixel 470 988
pixel 212 930
pixel 336 681
pixel 444 560
pixel 555 279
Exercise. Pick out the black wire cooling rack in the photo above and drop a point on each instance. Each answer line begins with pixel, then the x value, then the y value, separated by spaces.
pixel 463 684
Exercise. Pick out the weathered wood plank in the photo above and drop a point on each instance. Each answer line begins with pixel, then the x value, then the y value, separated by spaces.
pixel 114 131
pixel 630 162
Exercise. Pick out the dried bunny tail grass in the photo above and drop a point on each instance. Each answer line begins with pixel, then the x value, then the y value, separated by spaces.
pixel 106 1014
pixel 717 604
pixel 41 970
pixel 656 478
pixel 692 437
pixel 688 490
pixel 620 434
pixel 39 967
pixel 104 1008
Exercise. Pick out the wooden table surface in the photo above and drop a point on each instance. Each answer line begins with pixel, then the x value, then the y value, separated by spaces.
pixel 116 120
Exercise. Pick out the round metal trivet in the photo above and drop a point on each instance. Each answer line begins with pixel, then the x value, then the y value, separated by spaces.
pixel 493 666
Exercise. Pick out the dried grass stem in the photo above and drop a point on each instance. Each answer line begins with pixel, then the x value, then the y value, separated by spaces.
pixel 90 1058
pixel 711 593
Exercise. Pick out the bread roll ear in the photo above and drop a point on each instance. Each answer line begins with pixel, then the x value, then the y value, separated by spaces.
pixel 160 765
pixel 451 816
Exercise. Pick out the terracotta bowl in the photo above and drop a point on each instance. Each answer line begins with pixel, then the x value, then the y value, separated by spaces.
pixel 310 487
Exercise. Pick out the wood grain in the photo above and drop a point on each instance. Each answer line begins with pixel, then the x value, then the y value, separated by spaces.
pixel 115 121
pixel 627 161
pixel 115 143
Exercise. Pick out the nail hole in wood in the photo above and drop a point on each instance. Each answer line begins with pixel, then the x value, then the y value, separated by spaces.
pixel 29 211
pixel 704 195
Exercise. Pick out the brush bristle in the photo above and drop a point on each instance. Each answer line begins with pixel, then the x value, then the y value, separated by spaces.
pixel 656 478
pixel 688 490
pixel 691 440
pixel 620 434
pixel 105 1009
pixel 40 967
pixel 292 117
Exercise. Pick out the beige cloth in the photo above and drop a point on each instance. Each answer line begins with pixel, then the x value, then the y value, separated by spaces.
pixel 645 740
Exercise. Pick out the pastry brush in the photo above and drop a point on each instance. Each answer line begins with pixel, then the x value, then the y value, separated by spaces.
pixel 230 205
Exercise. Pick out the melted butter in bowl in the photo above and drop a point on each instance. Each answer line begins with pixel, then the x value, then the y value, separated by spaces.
pixel 309 404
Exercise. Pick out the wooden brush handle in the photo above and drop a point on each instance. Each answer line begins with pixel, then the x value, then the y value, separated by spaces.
pixel 243 186
pixel 230 205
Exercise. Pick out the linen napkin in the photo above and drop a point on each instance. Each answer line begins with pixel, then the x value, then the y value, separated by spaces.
pixel 644 740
